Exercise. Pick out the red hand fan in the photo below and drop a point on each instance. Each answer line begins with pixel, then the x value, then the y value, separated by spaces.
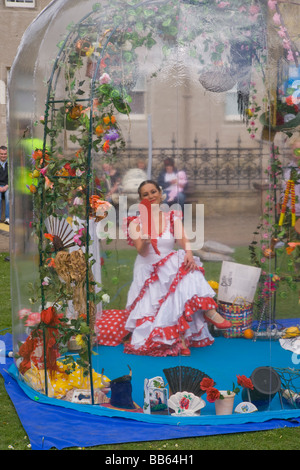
pixel 148 222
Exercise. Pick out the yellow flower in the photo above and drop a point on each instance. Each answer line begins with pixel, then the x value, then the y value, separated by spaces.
pixel 90 51
pixel 214 285
pixel 79 340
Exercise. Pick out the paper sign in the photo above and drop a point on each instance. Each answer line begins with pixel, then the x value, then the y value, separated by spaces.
pixel 238 282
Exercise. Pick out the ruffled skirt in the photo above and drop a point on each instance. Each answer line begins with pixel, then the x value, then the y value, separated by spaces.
pixel 165 304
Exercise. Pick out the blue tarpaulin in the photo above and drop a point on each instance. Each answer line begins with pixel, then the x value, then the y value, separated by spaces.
pixel 54 423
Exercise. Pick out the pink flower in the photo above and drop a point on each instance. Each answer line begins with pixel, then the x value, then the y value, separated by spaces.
pixel 24 312
pixel 254 9
pixel 276 19
pixel 105 78
pixel 43 171
pixel 77 240
pixel 272 4
pixel 223 4
pixel 282 32
pixel 77 237
pixel 290 55
pixel 33 319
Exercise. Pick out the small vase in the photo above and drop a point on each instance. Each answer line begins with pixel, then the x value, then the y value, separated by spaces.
pixel 225 406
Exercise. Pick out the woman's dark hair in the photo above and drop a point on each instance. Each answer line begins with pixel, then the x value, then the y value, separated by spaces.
pixel 169 162
pixel 148 182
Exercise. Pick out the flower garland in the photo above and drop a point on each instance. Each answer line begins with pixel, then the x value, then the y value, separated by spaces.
pixel 292 52
pixel 290 188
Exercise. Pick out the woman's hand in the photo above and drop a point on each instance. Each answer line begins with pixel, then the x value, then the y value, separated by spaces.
pixel 189 262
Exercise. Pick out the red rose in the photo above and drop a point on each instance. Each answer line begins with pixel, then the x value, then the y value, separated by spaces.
pixel 212 394
pixel 243 381
pixel 48 316
pixel 206 383
pixel 70 170
pixel 184 403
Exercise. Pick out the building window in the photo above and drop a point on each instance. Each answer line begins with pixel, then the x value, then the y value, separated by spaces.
pixel 231 106
pixel 138 96
pixel 20 3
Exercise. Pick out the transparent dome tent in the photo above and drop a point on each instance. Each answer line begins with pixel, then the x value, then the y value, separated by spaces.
pixel 114 86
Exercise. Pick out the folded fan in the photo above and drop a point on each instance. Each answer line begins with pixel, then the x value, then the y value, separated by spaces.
pixel 148 223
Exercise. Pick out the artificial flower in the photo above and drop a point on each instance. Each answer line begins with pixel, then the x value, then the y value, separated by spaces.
pixel 106 120
pixel 106 298
pixel 24 312
pixel 80 340
pixel 111 135
pixel 105 79
pixel 214 285
pixel 49 236
pixel 244 382
pixel 33 319
pixel 105 146
pixel 77 238
pixel 46 281
pixel 48 184
pixel 272 4
pixel 276 19
pixel 48 316
pixel 32 188
pixel 212 394
pixel 99 130
pixel 206 383
pixel 51 262
pixel 69 169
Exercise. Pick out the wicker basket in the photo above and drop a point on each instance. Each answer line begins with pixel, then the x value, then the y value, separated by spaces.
pixel 241 317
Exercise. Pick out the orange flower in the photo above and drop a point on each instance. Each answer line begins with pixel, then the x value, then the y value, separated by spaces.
pixel 99 130
pixel 113 119
pixel 289 249
pixel 32 188
pixel 51 262
pixel 75 111
pixel 48 183
pixel 37 154
pixel 106 146
pixel 106 120
pixel 48 236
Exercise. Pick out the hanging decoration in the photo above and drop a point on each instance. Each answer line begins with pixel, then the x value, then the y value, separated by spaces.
pixel 290 190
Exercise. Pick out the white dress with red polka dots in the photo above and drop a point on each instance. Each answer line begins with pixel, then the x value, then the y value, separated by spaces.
pixel 164 303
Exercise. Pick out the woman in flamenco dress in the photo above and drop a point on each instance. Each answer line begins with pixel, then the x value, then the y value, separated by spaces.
pixel 169 301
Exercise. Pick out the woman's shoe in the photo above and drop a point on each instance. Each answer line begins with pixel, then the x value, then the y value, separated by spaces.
pixel 220 325
pixel 185 352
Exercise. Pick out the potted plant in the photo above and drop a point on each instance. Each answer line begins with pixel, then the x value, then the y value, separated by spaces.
pixel 223 399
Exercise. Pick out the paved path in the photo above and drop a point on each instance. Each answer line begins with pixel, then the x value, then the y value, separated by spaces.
pixel 232 231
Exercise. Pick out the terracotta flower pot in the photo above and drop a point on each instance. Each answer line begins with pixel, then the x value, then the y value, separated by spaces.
pixel 225 406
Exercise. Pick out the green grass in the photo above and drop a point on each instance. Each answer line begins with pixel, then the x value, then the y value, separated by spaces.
pixel 119 267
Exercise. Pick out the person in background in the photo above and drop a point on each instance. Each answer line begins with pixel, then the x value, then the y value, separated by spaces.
pixel 4 190
pixel 173 183
pixel 111 180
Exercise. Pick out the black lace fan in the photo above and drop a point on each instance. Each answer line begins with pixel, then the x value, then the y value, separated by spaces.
pixel 185 379
pixel 61 232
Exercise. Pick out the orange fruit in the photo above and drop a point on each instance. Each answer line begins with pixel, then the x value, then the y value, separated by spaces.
pixel 248 333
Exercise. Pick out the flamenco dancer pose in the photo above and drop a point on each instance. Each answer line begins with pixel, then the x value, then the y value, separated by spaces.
pixel 169 302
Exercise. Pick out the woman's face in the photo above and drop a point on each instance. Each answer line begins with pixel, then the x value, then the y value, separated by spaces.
pixel 169 169
pixel 149 191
